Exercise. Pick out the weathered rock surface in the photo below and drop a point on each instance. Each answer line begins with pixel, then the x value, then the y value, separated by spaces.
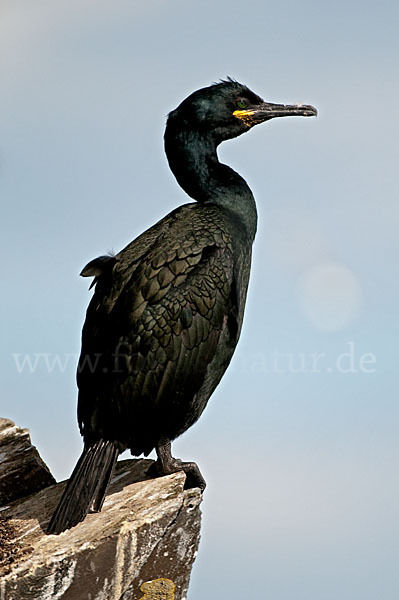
pixel 141 546
pixel 22 471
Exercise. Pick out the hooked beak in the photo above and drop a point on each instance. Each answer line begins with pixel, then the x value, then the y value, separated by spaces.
pixel 263 112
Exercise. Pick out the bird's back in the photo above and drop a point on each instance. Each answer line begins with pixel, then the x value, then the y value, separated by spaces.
pixel 161 328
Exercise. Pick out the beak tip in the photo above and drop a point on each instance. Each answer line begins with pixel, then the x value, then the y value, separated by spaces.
pixel 308 110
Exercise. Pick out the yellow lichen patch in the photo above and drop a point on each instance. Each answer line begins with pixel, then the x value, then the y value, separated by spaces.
pixel 245 115
pixel 158 589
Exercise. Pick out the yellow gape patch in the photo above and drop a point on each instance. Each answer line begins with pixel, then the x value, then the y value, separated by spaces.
pixel 246 116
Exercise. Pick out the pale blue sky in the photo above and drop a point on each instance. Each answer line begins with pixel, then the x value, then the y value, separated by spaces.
pixel 300 451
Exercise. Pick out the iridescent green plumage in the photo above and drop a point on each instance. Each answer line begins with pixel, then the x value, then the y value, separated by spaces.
pixel 167 310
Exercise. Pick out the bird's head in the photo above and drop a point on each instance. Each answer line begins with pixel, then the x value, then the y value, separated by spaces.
pixel 227 109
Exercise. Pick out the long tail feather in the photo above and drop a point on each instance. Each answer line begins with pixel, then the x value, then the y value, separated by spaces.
pixel 86 486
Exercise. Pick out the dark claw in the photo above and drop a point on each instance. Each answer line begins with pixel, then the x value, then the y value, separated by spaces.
pixel 194 478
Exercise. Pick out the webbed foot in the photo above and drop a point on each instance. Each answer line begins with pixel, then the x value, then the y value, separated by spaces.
pixel 166 464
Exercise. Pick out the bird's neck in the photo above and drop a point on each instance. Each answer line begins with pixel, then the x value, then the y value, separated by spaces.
pixel 194 162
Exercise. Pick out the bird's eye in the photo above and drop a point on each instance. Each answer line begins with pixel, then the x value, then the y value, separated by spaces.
pixel 241 103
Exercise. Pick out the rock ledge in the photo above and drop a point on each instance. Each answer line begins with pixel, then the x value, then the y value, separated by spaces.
pixel 141 546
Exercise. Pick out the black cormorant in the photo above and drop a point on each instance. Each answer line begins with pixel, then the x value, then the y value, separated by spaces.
pixel 167 311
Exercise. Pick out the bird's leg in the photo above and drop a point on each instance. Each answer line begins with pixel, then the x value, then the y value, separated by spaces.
pixel 166 464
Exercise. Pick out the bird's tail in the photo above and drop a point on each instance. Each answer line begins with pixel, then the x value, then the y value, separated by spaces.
pixel 86 487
